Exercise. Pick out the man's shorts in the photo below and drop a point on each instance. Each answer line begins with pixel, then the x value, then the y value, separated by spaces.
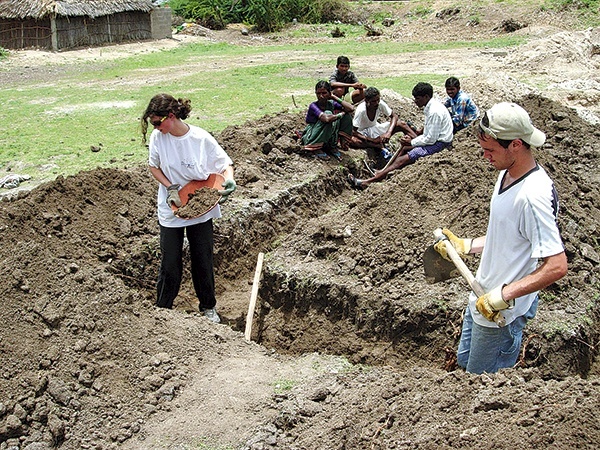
pixel 420 152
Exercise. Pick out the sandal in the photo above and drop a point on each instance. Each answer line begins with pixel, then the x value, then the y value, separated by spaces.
pixel 337 155
pixel 322 156
pixel 354 182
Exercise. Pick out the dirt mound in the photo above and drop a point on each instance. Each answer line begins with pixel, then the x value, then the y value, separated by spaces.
pixel 577 52
pixel 88 362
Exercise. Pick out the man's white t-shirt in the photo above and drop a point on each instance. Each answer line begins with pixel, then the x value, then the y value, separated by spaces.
pixel 193 156
pixel 522 230
pixel 368 127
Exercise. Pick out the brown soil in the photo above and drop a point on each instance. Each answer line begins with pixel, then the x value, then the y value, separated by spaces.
pixel 354 347
pixel 199 202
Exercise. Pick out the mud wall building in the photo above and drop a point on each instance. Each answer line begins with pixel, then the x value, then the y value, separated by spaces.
pixel 59 25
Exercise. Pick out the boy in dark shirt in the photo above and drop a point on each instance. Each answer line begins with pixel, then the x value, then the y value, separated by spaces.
pixel 342 79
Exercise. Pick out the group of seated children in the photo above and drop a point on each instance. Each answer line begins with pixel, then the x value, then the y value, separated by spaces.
pixel 333 123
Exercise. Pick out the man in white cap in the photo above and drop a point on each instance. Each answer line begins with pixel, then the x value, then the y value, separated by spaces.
pixel 522 251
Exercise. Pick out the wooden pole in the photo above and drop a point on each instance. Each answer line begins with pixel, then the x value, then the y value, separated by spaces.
pixel 253 296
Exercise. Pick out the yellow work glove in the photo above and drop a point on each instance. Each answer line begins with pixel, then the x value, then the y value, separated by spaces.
pixel 462 246
pixel 491 303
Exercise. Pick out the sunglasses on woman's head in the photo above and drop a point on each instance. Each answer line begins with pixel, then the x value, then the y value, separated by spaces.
pixel 158 123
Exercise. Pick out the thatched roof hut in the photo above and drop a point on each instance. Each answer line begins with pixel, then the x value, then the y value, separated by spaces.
pixel 59 24
pixel 38 9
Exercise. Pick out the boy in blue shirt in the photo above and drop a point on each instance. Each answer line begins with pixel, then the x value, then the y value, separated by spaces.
pixel 460 105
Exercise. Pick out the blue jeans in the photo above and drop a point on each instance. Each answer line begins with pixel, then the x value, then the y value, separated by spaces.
pixel 483 349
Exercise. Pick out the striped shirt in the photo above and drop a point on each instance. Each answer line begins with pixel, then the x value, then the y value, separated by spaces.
pixel 462 110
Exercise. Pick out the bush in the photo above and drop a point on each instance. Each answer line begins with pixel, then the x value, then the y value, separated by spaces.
pixel 263 15
pixel 316 11
pixel 213 14
pixel 266 15
pixel 209 13
pixel 330 10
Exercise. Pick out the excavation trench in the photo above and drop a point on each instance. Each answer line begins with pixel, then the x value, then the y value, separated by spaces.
pixel 342 275
pixel 343 272
pixel 315 298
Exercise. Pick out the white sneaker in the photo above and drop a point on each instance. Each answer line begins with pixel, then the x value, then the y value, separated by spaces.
pixel 211 314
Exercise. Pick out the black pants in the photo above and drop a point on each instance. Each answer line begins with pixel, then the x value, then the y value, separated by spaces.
pixel 200 238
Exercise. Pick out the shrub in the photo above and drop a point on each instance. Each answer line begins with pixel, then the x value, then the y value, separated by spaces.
pixel 321 11
pixel 211 14
pixel 263 15
pixel 266 15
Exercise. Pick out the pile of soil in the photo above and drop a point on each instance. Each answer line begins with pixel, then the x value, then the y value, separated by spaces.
pixel 89 362
pixel 350 341
pixel 199 202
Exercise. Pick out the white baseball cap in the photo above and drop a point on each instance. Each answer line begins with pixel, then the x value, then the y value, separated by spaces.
pixel 509 121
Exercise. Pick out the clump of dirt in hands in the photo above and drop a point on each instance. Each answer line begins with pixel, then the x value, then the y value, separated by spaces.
pixel 199 202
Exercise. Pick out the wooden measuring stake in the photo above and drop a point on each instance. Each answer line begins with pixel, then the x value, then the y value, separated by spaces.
pixel 253 296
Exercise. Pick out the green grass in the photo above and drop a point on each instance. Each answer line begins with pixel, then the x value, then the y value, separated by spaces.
pixel 586 10
pixel 283 385
pixel 56 123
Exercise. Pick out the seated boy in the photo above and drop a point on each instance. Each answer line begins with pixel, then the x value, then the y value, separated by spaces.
pixel 462 108
pixel 368 131
pixel 342 79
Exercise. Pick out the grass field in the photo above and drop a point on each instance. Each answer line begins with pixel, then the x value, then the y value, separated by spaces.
pixel 56 121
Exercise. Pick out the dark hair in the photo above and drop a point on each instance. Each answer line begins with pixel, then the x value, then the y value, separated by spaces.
pixel 504 143
pixel 342 60
pixel 371 92
pixel 452 82
pixel 162 105
pixel 422 89
pixel 323 84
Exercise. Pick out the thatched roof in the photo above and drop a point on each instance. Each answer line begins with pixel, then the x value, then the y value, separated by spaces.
pixel 36 9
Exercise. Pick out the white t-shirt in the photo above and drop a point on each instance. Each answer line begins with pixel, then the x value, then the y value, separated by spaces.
pixel 522 229
pixel 193 156
pixel 362 122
